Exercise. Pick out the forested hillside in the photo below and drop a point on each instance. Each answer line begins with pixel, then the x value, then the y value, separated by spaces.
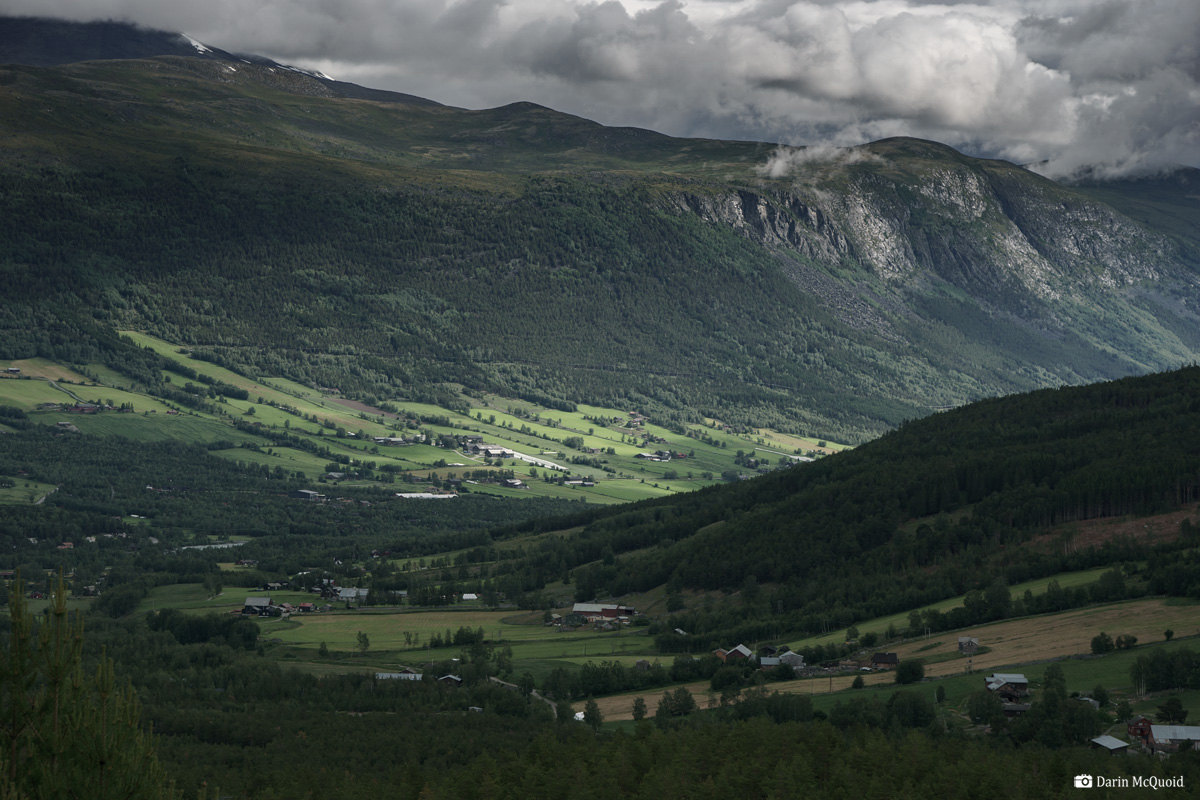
pixel 941 506
pixel 389 248
pixel 974 500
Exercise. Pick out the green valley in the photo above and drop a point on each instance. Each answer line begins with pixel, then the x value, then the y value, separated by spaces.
pixel 362 446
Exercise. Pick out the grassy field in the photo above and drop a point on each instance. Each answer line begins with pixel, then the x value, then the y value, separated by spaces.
pixel 153 427
pixel 25 492
pixel 536 648
pixel 290 459
pixel 42 368
pixel 280 404
pixel 880 625
pixel 1068 633
pixel 1026 645
pixel 28 394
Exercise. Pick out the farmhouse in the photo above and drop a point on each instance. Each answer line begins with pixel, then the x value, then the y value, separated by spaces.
pixel 968 645
pixel 884 661
pixel 597 611
pixel 1169 738
pixel 350 594
pixel 260 606
pixel 739 653
pixel 306 494
pixel 1138 728
pixel 1007 683
pixel 489 450
pixel 406 674
pixel 793 660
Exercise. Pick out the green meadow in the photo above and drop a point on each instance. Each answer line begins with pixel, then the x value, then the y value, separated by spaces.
pixel 24 492
pixel 280 405
pixel 899 622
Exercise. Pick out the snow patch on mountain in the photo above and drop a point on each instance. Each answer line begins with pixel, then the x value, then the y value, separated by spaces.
pixel 200 46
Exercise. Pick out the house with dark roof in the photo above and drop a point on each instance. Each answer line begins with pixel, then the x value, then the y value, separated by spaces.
pixel 884 661
pixel 1007 684
pixel 259 606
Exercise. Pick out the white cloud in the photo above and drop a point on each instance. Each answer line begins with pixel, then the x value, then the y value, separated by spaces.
pixel 787 161
pixel 1073 83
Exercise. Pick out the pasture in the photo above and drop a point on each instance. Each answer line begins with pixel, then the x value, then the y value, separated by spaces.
pixel 25 491
pixel 44 368
pixel 899 621
pixel 154 427
pixel 1067 633
pixel 28 394
pixel 536 647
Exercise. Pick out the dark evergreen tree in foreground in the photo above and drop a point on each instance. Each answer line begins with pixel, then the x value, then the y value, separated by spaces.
pixel 64 734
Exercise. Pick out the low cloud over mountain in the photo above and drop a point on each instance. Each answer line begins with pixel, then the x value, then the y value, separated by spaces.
pixel 1113 86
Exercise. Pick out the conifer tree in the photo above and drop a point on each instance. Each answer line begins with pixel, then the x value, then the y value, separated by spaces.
pixel 64 734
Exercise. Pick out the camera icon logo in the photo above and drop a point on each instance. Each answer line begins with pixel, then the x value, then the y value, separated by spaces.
pixel 1083 782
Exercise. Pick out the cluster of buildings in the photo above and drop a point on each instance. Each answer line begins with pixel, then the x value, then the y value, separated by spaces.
pixel 397 441
pixel 604 616
pixel 1160 738
pixel 660 455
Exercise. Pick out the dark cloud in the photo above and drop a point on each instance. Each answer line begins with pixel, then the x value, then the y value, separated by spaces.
pixel 1113 85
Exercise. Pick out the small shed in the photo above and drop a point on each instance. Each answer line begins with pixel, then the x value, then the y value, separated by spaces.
pixel 1110 743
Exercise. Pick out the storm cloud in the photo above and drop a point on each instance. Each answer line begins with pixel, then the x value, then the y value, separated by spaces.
pixel 1069 85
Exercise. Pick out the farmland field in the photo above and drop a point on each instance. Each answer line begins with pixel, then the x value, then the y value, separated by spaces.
pixel 289 407
pixel 530 642
pixel 1063 634
pixel 43 368
pixel 27 395
pixel 1012 644
pixel 24 492
pixel 900 621
pixel 154 427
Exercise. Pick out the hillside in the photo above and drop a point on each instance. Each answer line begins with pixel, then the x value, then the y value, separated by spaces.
pixel 968 522
pixel 405 248
pixel 941 506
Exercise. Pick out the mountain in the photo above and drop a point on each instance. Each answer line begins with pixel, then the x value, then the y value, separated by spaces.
pixel 387 245
pixel 43 42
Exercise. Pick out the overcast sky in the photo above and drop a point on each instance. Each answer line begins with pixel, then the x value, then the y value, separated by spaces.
pixel 1112 84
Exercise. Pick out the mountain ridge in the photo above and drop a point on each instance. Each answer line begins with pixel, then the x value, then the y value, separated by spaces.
pixel 390 246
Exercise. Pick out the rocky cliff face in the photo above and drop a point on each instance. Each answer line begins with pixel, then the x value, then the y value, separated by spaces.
pixel 870 235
